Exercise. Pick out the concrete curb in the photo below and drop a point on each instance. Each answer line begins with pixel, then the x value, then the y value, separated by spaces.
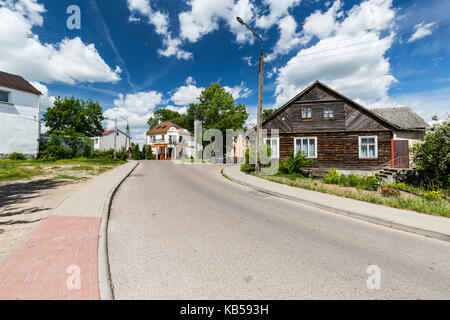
pixel 383 222
pixel 104 276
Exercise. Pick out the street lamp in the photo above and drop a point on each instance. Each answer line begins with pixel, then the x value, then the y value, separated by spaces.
pixel 260 94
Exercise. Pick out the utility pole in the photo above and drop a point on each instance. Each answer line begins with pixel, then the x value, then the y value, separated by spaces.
pixel 260 95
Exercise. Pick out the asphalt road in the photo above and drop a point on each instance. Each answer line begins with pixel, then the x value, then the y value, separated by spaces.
pixel 185 232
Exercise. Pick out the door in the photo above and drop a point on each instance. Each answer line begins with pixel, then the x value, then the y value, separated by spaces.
pixel 401 154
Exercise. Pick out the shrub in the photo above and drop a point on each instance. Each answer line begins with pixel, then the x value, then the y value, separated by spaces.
pixel 136 153
pixel 16 156
pixel 371 183
pixel 247 167
pixel 149 153
pixel 432 155
pixel 434 195
pixel 367 183
pixel 294 164
pixel 250 154
pixel 333 177
pixel 389 191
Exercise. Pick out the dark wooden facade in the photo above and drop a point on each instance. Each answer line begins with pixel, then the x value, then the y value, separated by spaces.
pixel 338 137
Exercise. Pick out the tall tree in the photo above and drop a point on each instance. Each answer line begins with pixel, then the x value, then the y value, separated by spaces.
pixel 267 113
pixel 168 115
pixel 73 115
pixel 217 110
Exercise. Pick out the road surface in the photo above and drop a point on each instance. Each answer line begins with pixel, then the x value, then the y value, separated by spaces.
pixel 185 232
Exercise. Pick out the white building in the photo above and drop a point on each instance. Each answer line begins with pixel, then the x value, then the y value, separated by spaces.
pixel 106 141
pixel 19 116
pixel 170 141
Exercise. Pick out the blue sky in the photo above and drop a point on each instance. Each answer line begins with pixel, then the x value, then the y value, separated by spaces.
pixel 135 56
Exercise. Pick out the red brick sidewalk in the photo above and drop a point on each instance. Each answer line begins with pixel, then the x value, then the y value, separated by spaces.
pixel 39 267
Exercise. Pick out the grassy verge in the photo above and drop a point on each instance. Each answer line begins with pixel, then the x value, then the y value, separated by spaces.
pixel 439 207
pixel 70 169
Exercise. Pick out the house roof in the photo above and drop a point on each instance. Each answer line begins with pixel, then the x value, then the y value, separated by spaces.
pixel 403 117
pixel 163 127
pixel 17 82
pixel 388 121
pixel 106 132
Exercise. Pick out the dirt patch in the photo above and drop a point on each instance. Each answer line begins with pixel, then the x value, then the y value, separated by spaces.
pixel 24 203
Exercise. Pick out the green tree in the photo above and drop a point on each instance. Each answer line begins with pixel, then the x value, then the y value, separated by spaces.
pixel 432 155
pixel 168 115
pixel 136 152
pixel 71 115
pixel 267 113
pixel 217 110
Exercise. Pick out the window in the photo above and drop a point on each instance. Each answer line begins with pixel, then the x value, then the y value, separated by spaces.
pixel 273 143
pixel 328 112
pixel 308 145
pixel 306 112
pixel 4 96
pixel 368 147
pixel 97 140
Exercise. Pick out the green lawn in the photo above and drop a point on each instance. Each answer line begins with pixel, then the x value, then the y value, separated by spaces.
pixel 440 207
pixel 70 169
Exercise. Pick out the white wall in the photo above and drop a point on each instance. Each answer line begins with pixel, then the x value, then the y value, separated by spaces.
pixel 19 123
pixel 107 142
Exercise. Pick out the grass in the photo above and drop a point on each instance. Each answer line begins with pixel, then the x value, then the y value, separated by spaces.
pixel 81 168
pixel 439 207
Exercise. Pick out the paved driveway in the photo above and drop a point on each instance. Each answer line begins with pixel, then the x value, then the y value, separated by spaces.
pixel 185 232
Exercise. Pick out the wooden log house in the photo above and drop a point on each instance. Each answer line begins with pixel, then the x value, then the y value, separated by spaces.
pixel 339 133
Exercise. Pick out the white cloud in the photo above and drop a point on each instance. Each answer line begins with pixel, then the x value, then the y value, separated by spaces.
pixel 189 93
pixel 277 10
pixel 350 59
pixel 172 47
pixel 161 21
pixel 288 40
pixel 186 94
pixel 157 18
pixel 136 108
pixel 181 110
pixel 322 24
pixel 240 91
pixel 22 52
pixel 46 100
pixel 204 17
pixel 422 30
pixel 248 60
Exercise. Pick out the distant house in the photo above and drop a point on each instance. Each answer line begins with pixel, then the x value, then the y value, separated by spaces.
pixel 109 138
pixel 339 133
pixel 170 141
pixel 19 115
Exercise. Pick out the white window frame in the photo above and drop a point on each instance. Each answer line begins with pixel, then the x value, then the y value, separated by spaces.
pixel 301 143
pixel 278 146
pixel 306 112
pixel 360 145
pixel 9 97
pixel 328 109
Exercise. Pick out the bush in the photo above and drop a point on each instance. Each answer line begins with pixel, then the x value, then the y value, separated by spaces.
pixel 294 164
pixel 389 191
pixel 434 195
pixel 65 146
pixel 247 167
pixel 149 153
pixel 136 152
pixel 371 183
pixel 16 156
pixel 432 155
pixel 264 151
pixel 367 183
